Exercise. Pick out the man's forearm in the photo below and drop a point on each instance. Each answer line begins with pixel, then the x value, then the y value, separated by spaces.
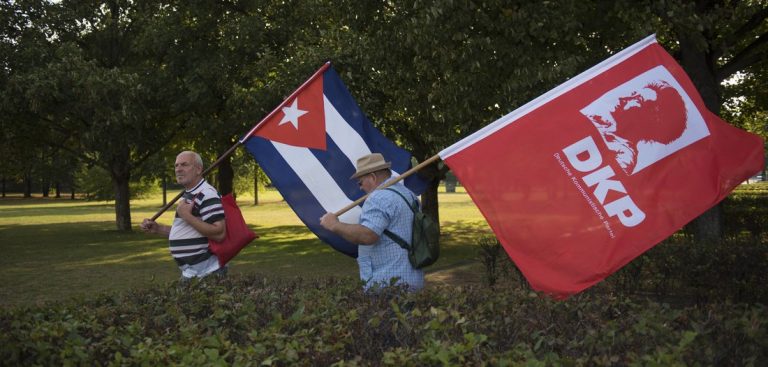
pixel 163 230
pixel 356 233
pixel 216 231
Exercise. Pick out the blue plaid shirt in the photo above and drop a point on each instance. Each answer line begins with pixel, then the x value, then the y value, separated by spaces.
pixel 385 259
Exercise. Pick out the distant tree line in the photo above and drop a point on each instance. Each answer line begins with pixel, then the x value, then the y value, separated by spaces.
pixel 124 85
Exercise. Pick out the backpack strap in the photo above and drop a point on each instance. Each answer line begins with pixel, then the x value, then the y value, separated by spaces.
pixel 400 241
pixel 412 206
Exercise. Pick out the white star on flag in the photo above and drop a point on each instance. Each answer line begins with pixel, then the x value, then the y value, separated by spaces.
pixel 292 114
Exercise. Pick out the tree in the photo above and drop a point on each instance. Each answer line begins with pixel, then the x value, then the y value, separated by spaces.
pixel 745 103
pixel 22 48
pixel 714 41
pixel 103 93
pixel 233 54
pixel 430 73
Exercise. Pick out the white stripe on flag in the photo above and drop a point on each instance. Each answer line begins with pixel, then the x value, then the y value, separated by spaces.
pixel 317 179
pixel 346 138
pixel 546 97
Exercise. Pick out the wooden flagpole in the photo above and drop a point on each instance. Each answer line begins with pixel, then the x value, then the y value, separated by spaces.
pixel 390 183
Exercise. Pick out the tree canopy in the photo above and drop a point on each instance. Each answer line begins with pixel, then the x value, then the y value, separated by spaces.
pixel 115 83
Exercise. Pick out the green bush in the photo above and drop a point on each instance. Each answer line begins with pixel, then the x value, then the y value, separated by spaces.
pixel 732 269
pixel 689 271
pixel 258 321
pixel 746 211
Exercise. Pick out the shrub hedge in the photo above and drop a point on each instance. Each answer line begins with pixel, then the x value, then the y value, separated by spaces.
pixel 731 269
pixel 681 303
pixel 257 321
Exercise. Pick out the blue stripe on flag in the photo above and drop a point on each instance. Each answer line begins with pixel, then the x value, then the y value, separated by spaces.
pixel 295 193
pixel 337 93
pixel 340 167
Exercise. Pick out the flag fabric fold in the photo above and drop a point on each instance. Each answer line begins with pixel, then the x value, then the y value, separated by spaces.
pixel 308 147
pixel 580 181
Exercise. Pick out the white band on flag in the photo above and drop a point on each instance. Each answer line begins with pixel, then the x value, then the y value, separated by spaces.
pixel 546 97
pixel 318 181
pixel 346 138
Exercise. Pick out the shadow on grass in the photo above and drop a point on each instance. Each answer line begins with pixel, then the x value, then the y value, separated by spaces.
pixel 56 261
pixel 49 262
pixel 98 242
pixel 293 250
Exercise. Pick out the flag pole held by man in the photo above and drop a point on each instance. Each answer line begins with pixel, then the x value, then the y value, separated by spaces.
pixel 580 181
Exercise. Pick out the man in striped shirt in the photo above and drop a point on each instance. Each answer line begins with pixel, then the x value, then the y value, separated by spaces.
pixel 199 216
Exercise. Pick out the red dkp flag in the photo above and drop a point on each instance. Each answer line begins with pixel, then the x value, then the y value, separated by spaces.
pixel 583 179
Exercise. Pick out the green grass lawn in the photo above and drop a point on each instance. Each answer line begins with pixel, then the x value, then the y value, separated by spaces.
pixel 55 249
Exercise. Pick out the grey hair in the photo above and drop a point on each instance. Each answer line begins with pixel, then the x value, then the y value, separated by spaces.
pixel 383 173
pixel 197 157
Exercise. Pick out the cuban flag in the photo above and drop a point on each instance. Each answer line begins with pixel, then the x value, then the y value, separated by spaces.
pixel 308 146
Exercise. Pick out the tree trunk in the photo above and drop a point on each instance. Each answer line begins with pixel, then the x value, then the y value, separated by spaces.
pixel 225 175
pixel 46 188
pixel 120 178
pixel 58 190
pixel 3 186
pixel 165 190
pixel 256 187
pixel 708 227
pixel 27 186
pixel 429 200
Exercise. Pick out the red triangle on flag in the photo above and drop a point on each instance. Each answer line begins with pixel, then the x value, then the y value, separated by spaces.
pixel 300 121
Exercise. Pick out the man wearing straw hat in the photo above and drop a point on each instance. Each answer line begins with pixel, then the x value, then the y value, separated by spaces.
pixel 379 257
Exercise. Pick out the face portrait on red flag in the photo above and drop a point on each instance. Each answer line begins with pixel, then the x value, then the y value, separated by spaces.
pixel 646 119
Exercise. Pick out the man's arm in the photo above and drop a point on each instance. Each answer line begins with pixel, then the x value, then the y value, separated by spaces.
pixel 355 233
pixel 150 226
pixel 216 231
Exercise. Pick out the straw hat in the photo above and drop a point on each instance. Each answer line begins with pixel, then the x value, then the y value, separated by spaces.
pixel 370 163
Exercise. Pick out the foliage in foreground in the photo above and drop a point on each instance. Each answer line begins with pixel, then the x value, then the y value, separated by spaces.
pixel 260 321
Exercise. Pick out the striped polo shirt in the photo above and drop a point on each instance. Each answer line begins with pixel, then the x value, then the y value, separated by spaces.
pixel 188 246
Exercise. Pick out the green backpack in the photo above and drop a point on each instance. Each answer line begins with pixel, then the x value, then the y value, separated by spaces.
pixel 425 238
